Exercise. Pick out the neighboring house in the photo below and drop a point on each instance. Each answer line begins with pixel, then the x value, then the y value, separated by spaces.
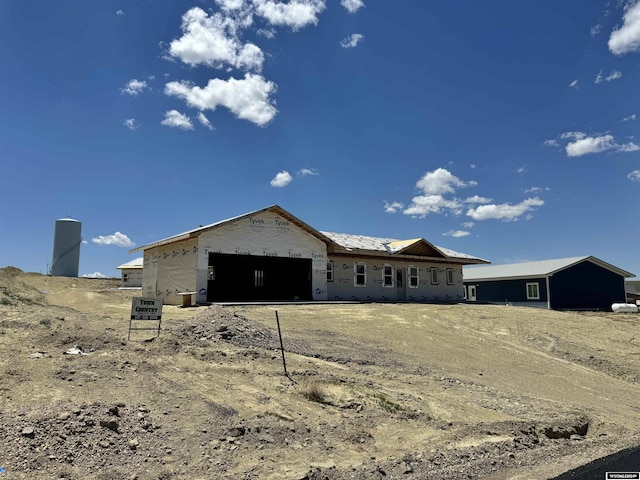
pixel 270 255
pixel 131 273
pixel 576 283
pixel 633 292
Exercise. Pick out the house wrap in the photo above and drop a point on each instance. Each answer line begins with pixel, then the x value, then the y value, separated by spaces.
pixel 270 255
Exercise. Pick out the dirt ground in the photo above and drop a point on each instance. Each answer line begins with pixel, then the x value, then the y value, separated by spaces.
pixel 374 391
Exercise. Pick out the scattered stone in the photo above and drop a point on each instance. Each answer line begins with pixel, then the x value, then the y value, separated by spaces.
pixel 110 424
pixel 133 444
pixel 28 432
pixel 237 431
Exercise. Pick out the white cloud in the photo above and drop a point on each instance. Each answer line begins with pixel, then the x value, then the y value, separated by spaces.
pixel 467 224
pixel 152 77
pixel 440 181
pixel 456 233
pixel 522 169
pixel 573 135
pixel 204 121
pixel 117 239
pixel 295 14
pixel 174 118
pixel 599 77
pixel 614 75
pixel 119 13
pixel 634 176
pixel 247 98
pixel 94 275
pixel 574 84
pixel 551 143
pixel 352 5
pixel 595 30
pixel 435 184
pixel 213 41
pixel 266 32
pixel 628 147
pixel 504 211
pixel 352 40
pixel 131 124
pixel 472 166
pixel 231 5
pixel 536 189
pixel 423 205
pixel 586 145
pixel 393 207
pixel 582 144
pixel 282 179
pixel 630 118
pixel 134 87
pixel 478 199
pixel 307 171
pixel 626 39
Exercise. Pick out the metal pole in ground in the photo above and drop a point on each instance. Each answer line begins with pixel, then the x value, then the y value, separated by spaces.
pixel 284 362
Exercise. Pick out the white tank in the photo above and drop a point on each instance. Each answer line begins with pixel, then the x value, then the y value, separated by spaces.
pixel 624 308
pixel 66 248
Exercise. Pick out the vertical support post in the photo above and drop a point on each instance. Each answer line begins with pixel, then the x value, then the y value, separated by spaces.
pixel 284 362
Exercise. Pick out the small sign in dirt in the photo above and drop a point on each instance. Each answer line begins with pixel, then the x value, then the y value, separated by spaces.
pixel 144 308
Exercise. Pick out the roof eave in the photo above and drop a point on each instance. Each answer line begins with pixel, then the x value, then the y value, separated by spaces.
pixel 198 231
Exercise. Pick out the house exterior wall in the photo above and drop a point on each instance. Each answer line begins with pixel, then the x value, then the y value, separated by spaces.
pixel 265 234
pixel 131 277
pixel 343 285
pixel 586 286
pixel 513 292
pixel 170 269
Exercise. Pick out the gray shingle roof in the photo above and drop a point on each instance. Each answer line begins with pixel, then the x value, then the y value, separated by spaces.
pixel 539 268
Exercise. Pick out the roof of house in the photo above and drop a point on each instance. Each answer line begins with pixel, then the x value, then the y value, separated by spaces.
pixel 394 246
pixel 541 268
pixel 339 241
pixel 135 263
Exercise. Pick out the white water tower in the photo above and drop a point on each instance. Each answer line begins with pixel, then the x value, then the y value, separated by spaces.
pixel 66 248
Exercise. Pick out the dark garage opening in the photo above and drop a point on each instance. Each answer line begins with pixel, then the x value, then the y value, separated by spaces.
pixel 252 278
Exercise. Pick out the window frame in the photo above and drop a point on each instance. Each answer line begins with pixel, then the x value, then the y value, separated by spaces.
pixel 386 276
pixel 356 274
pixel 330 271
pixel 410 277
pixel 449 274
pixel 258 278
pixel 435 270
pixel 537 290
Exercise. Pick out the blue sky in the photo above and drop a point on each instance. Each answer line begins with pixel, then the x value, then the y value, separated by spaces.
pixel 506 130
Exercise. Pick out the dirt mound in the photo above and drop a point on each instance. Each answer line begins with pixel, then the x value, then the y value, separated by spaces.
pixel 15 291
pixel 218 323
pixel 62 439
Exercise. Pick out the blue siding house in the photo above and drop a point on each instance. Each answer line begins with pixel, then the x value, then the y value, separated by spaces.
pixel 576 283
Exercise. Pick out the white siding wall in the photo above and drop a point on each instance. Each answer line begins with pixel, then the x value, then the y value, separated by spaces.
pixel 343 285
pixel 263 234
pixel 133 276
pixel 170 269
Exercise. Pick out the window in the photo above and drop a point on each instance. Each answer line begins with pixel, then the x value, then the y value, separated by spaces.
pixel 360 274
pixel 413 276
pixel 329 271
pixel 125 277
pixel 533 293
pixel 449 276
pixel 435 280
pixel 258 278
pixel 387 276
